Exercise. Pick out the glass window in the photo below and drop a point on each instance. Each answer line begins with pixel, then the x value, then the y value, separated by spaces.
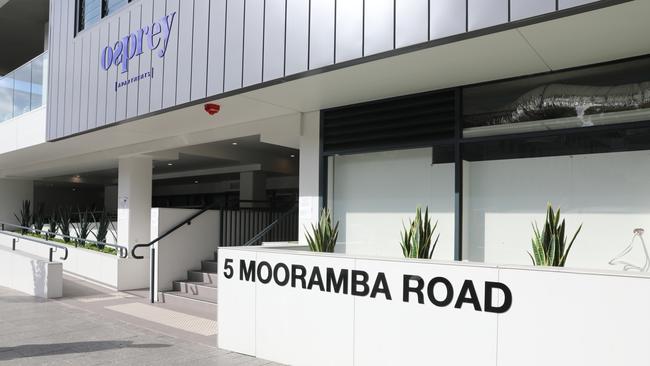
pixel 614 93
pixel 376 194
pixel 113 5
pixel 91 11
pixel 6 97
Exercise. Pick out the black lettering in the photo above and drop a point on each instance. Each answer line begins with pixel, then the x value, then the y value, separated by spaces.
pixel 260 278
pixel 295 275
pixel 337 284
pixel 276 275
pixel 468 287
pixel 507 298
pixel 431 291
pixel 416 290
pixel 363 282
pixel 381 286
pixel 316 279
pixel 246 273
pixel 228 270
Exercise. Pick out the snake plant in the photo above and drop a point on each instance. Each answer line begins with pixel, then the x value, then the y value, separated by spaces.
pixel 417 237
pixel 550 246
pixel 323 237
pixel 103 226
pixel 82 228
pixel 65 218
pixel 25 218
pixel 54 223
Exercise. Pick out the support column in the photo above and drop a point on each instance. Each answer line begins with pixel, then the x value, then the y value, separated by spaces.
pixel 252 187
pixel 310 173
pixel 134 218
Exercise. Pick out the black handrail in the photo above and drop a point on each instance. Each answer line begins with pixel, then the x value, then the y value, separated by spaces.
pixel 187 221
pixel 272 225
pixel 122 251
pixel 39 241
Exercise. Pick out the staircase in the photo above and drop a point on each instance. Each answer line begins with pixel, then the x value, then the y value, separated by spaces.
pixel 198 292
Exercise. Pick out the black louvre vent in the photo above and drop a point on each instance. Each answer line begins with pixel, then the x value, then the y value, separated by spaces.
pixel 412 121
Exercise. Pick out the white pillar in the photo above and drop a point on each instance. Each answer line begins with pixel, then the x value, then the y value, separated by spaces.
pixel 134 219
pixel 309 201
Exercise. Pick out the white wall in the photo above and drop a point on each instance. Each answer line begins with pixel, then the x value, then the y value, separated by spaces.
pixel 309 201
pixel 23 131
pixel 376 194
pixel 184 249
pixel 98 267
pixel 607 193
pixel 557 316
pixel 30 274
pixel 12 195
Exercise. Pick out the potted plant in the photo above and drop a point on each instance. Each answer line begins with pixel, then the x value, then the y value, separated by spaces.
pixel 323 237
pixel 550 246
pixel 417 237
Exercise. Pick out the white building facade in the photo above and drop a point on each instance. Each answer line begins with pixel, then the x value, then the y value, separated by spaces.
pixel 247 117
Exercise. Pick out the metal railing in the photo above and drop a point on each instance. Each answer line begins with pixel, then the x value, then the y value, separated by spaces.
pixel 122 251
pixel 24 89
pixel 285 223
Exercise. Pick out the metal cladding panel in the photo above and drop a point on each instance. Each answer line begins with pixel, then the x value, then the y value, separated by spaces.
pixel 172 56
pixel 85 83
pixel 135 19
pixel 216 46
pixel 521 9
pixel 93 80
pixel 185 38
pixel 349 30
pixel 200 49
pixel 234 44
pixel 411 22
pixel 63 59
pixel 486 13
pixel 253 42
pixel 102 77
pixel 379 26
pixel 297 42
pixel 121 100
pixel 321 35
pixel 111 73
pixel 157 63
pixel 144 85
pixel 565 4
pixel 274 22
pixel 447 18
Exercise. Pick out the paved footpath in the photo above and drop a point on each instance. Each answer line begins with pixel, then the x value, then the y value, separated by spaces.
pixel 84 328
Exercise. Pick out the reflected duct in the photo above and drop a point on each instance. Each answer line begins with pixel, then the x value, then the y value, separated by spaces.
pixel 564 100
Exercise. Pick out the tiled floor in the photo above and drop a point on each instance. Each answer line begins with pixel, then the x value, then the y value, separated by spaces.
pixel 81 329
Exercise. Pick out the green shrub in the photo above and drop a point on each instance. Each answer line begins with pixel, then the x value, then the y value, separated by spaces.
pixel 550 246
pixel 417 237
pixel 323 237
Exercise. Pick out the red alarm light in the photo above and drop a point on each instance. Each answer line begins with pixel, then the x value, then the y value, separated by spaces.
pixel 212 108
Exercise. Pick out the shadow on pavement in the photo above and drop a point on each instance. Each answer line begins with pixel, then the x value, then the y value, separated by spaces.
pixel 34 350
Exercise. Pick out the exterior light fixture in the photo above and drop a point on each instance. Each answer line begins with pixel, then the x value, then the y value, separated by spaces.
pixel 293 156
pixel 234 144
pixel 212 108
pixel 170 164
pixel 196 182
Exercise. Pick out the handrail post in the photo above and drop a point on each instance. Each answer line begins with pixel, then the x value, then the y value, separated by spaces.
pixel 152 279
pixel 51 254
pixel 13 244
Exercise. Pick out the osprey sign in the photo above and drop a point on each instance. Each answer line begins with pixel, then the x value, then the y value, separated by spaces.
pixel 155 36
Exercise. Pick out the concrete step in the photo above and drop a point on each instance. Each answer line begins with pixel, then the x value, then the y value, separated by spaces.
pixel 209 266
pixel 190 302
pixel 203 289
pixel 198 276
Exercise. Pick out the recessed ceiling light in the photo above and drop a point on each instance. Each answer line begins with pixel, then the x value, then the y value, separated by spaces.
pixel 234 144
pixel 170 164
pixel 293 155
pixel 196 182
